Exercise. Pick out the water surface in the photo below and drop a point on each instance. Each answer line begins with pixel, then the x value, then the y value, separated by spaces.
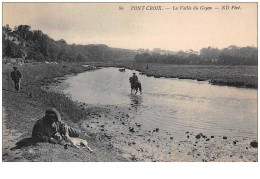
pixel 172 105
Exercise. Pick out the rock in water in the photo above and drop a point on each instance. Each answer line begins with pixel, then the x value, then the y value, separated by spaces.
pixel 254 144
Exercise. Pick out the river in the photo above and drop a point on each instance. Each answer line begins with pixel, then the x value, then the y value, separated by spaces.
pixel 173 105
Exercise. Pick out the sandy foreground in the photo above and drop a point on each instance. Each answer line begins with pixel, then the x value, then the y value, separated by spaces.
pixel 112 133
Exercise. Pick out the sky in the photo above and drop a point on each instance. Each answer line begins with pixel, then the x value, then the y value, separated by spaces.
pixel 168 29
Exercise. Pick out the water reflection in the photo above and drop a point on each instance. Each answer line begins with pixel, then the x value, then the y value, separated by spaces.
pixel 136 100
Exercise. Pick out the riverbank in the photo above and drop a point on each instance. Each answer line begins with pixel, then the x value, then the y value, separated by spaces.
pixel 110 130
pixel 21 111
pixel 238 76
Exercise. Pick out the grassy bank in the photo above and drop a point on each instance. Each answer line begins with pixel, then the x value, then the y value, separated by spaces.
pixel 36 76
pixel 238 76
pixel 22 110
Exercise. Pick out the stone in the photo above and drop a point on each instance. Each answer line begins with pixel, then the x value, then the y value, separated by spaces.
pixel 171 137
pixel 224 137
pixel 212 136
pixel 66 146
pixel 254 144
pixel 138 125
pixel 198 136
pixel 131 129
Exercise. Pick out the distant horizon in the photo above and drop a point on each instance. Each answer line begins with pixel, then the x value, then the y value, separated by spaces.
pixel 103 23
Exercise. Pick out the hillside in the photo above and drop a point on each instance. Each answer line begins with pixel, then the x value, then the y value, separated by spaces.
pixel 34 45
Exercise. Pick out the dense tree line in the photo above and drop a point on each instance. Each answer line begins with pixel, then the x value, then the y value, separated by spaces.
pixel 207 56
pixel 37 46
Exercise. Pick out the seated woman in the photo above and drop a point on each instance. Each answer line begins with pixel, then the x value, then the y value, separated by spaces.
pixel 50 128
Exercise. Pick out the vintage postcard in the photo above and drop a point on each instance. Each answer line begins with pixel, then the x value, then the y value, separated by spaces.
pixel 129 82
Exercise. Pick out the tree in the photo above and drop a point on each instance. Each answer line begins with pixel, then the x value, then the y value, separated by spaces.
pixel 7 29
pixel 23 31
pixel 208 54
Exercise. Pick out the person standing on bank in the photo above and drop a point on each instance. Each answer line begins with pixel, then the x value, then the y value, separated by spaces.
pixel 16 77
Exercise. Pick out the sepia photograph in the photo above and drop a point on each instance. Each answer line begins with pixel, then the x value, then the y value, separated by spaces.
pixel 129 82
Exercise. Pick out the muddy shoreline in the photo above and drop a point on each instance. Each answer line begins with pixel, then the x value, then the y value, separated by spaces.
pixel 110 130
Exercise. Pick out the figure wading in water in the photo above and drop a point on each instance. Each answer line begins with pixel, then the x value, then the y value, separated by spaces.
pixel 135 84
